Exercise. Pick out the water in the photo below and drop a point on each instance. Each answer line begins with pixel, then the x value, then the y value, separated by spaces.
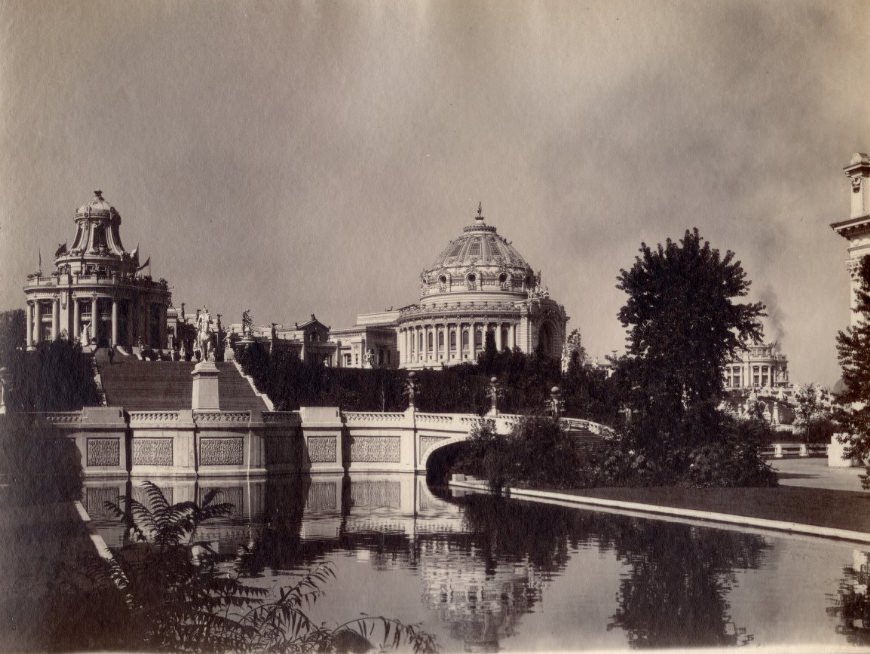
pixel 485 574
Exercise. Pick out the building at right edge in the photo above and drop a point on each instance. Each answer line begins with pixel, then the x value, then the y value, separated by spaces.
pixel 856 229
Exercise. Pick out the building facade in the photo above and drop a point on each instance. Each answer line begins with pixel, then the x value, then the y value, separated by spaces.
pixel 759 366
pixel 97 293
pixel 856 229
pixel 478 285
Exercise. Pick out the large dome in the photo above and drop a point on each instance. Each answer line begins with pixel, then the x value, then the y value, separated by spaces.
pixel 479 260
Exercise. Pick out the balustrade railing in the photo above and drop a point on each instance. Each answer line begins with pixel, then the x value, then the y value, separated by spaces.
pixel 62 417
pixel 153 417
pixel 273 417
pixel 371 417
pixel 222 416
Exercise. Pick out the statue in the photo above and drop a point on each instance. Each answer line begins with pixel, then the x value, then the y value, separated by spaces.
pixel 247 322
pixel 85 337
pixel 204 335
pixel 370 358
pixel 572 344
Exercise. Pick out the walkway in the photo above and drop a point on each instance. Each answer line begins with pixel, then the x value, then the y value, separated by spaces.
pixel 815 473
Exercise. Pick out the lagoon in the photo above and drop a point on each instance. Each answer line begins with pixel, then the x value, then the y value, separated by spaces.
pixel 489 574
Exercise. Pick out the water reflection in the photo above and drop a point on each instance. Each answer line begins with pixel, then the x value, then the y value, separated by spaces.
pixel 478 570
pixel 851 604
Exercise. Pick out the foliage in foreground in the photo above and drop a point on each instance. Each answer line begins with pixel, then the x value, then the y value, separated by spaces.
pixel 181 595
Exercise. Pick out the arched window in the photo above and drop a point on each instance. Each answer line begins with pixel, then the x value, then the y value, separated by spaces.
pixel 478 339
pixel 440 340
pixel 429 340
pixel 464 339
pixel 420 340
pixel 452 340
pixel 504 337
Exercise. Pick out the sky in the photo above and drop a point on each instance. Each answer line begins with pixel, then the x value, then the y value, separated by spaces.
pixel 314 157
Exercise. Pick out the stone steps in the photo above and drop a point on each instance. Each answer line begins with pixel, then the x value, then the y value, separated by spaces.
pixel 168 385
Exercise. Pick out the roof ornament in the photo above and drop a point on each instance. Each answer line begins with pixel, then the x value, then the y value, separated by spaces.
pixel 99 194
pixel 479 211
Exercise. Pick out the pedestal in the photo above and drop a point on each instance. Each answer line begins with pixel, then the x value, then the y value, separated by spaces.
pixel 205 387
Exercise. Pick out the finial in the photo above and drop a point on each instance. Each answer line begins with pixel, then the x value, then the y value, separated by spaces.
pixel 479 216
pixel 99 194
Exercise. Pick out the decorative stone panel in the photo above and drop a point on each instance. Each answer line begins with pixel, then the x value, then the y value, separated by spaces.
pixel 104 451
pixel 321 496
pixel 428 442
pixel 376 449
pixel 221 451
pixel 322 449
pixel 152 451
pixel 376 494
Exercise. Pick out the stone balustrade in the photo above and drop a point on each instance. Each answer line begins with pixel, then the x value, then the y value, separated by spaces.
pixel 188 443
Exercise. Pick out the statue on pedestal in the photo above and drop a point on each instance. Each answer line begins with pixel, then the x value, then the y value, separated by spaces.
pixel 247 322
pixel 204 335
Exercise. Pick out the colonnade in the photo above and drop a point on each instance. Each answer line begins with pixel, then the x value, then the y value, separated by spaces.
pixel 747 375
pixel 85 309
pixel 444 340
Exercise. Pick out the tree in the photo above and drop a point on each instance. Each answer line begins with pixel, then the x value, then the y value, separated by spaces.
pixel 853 352
pixel 684 324
pixel 12 332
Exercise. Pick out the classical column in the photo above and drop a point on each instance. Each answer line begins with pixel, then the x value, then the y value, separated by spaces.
pixel 498 336
pixel 95 321
pixel 76 319
pixel 472 340
pixel 55 318
pixel 514 335
pixel 436 331
pixel 114 321
pixel 37 323
pixel 28 322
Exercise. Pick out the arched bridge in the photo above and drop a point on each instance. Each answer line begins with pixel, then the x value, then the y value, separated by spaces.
pixel 114 442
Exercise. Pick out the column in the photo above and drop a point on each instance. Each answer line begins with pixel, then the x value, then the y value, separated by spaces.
pixel 514 328
pixel 498 336
pixel 55 318
pixel 472 341
pixel 130 310
pixel 95 321
pixel 114 321
pixel 37 323
pixel 435 343
pixel 76 319
pixel 28 325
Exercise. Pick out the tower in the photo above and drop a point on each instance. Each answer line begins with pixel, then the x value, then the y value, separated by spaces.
pixel 856 229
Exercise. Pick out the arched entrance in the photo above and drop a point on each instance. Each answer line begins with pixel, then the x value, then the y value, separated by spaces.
pixel 442 459
pixel 547 339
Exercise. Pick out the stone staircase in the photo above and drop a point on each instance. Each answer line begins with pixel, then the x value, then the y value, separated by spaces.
pixel 168 385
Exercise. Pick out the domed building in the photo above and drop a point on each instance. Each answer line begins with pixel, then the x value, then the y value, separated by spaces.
pixel 97 292
pixel 479 284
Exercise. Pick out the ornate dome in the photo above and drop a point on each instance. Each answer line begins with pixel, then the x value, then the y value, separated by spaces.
pixel 97 208
pixel 478 260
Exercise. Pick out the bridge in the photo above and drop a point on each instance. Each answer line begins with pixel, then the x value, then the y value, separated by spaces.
pixel 184 420
pixel 115 442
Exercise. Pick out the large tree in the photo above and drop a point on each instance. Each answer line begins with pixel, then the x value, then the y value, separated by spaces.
pixel 684 324
pixel 853 351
